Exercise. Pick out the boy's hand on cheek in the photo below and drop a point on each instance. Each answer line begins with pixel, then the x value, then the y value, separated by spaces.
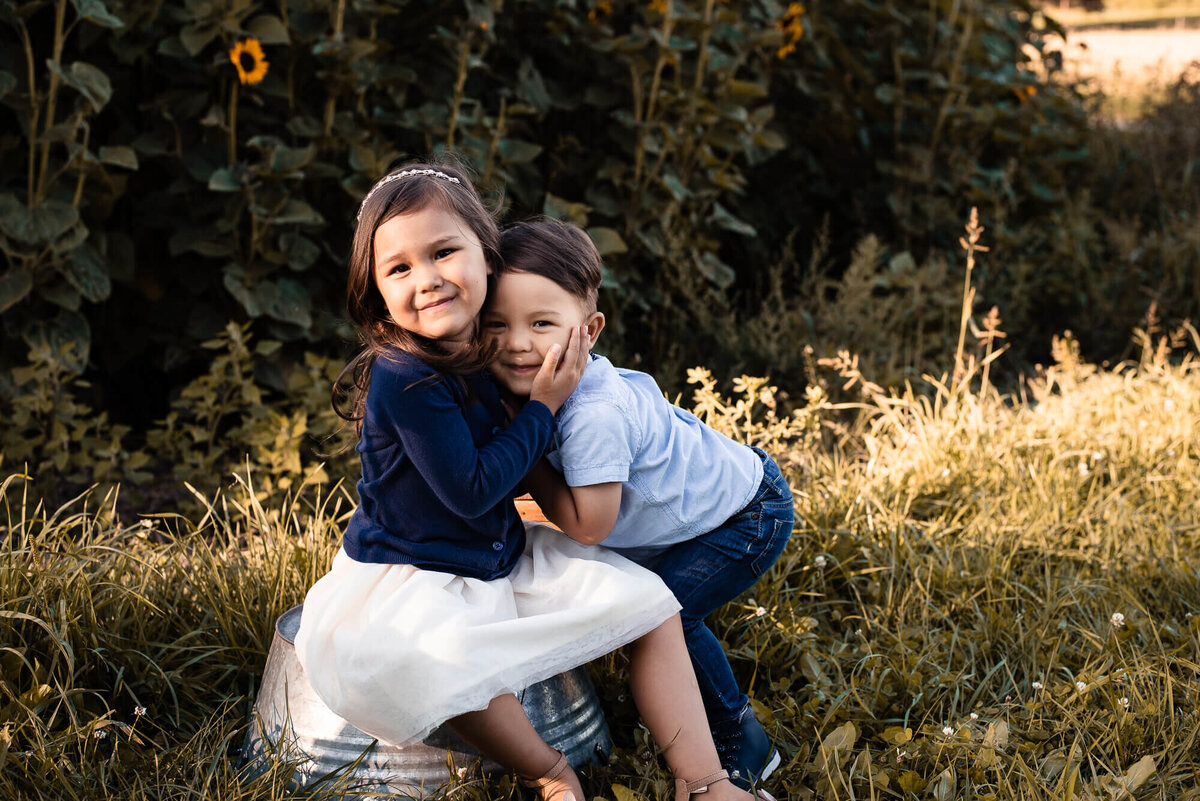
pixel 560 372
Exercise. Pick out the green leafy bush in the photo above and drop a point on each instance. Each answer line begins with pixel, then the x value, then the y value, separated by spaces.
pixel 149 197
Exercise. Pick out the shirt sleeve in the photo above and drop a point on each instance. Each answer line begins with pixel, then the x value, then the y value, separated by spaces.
pixel 596 444
pixel 428 420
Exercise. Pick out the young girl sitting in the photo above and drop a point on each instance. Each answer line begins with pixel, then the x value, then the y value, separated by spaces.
pixel 440 604
pixel 643 476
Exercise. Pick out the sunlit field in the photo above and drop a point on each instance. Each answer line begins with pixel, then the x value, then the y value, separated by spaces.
pixel 985 597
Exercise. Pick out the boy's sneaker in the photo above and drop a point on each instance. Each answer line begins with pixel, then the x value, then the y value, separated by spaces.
pixel 745 749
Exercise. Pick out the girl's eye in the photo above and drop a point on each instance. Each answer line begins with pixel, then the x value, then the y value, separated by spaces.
pixel 443 253
pixel 399 269
pixel 542 324
pixel 493 325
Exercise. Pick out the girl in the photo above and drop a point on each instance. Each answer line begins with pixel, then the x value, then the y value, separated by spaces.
pixel 440 604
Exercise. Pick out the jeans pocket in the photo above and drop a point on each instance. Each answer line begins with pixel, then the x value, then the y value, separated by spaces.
pixel 771 546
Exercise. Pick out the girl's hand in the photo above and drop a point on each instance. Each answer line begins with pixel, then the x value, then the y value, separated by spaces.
pixel 560 372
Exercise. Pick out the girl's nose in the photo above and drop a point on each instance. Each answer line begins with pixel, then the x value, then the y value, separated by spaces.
pixel 430 278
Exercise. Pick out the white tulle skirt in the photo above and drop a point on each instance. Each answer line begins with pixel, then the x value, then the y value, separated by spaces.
pixel 397 650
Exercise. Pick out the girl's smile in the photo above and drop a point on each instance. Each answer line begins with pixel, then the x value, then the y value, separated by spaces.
pixel 432 274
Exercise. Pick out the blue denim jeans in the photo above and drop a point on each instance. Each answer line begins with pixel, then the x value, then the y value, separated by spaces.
pixel 709 571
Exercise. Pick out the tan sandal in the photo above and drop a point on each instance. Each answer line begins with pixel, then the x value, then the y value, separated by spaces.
pixel 551 778
pixel 684 788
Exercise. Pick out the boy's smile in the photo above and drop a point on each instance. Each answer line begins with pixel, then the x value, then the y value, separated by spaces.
pixel 526 315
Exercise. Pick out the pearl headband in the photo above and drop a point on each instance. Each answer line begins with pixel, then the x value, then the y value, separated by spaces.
pixel 387 179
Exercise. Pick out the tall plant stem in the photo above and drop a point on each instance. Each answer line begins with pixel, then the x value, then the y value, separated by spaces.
pixel 87 130
pixel 339 23
pixel 645 119
pixel 31 77
pixel 460 82
pixel 970 244
pixel 60 16
pixel 233 104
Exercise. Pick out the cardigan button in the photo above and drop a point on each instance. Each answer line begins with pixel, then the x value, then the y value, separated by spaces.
pixel 497 546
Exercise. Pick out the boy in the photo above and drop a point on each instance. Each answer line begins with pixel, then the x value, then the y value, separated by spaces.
pixel 642 476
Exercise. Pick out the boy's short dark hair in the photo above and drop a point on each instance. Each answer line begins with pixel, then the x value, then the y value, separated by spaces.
pixel 553 249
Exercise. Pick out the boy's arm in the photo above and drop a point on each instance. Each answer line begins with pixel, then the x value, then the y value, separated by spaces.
pixel 585 514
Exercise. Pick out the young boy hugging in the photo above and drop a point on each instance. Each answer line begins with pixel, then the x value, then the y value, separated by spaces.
pixel 642 476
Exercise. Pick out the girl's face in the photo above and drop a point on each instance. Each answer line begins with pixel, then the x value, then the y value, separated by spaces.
pixel 432 274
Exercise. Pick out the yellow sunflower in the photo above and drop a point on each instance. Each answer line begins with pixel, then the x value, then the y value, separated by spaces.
pixel 248 57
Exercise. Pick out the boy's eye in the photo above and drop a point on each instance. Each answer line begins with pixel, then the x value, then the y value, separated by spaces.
pixel 542 324
pixel 493 324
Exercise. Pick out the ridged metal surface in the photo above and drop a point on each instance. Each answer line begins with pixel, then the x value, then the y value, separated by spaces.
pixel 564 709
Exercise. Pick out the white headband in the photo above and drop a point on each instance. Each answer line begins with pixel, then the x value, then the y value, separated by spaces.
pixel 387 179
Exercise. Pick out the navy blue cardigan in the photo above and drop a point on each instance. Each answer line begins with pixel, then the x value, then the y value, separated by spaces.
pixel 439 471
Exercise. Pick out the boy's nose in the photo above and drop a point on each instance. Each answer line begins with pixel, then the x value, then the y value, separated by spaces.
pixel 515 342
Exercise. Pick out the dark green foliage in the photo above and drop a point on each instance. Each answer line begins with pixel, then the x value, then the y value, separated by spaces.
pixel 148 199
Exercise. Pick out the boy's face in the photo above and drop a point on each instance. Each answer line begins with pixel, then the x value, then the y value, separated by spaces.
pixel 527 314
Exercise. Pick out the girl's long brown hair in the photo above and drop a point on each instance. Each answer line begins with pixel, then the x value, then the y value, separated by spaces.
pixel 376 331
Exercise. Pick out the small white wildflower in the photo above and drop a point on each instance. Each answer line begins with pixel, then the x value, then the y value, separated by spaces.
pixel 144 523
pixel 945 472
pixel 1083 469
pixel 760 611
pixel 819 563
pixel 462 773
pixel 100 734
pixel 948 731
pixel 139 711
pixel 1123 701
pixel 858 633
pixel 1037 685
pixel 1081 686
pixel 1117 620
pixel 974 716
pixel 1097 456
pixel 1169 405
pixel 1170 453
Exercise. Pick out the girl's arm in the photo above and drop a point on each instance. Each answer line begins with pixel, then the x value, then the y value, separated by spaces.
pixel 585 514
pixel 428 420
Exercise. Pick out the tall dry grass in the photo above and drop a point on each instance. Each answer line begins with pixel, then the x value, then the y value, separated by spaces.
pixel 986 597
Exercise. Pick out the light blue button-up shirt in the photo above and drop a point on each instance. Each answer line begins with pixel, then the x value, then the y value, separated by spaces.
pixel 680 478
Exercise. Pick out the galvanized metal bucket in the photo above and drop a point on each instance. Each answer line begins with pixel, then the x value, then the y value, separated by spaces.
pixel 290 720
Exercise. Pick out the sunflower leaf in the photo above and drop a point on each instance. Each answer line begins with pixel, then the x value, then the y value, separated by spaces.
pixel 268 29
pixel 607 240
pixel 197 36
pixel 120 156
pixel 14 286
pixel 224 179
pixel 95 11
pixel 89 81
pixel 86 271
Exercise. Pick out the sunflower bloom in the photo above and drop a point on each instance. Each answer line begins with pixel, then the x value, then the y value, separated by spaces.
pixel 791 24
pixel 251 64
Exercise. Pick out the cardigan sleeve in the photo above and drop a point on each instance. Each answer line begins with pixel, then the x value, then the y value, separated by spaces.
pixel 421 410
